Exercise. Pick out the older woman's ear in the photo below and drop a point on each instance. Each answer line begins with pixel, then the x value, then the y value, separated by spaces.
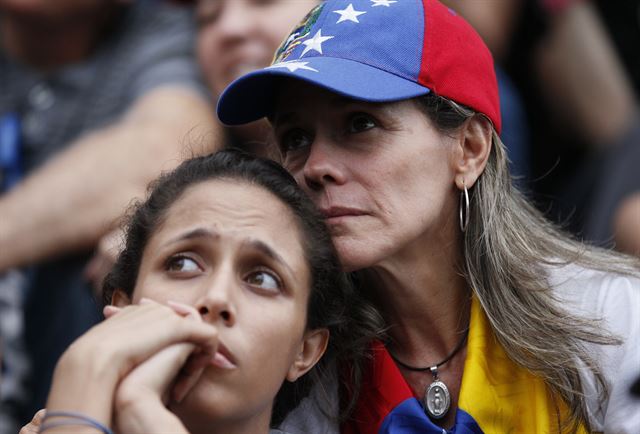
pixel 311 350
pixel 474 147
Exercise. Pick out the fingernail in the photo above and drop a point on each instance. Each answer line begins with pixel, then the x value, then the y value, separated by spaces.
pixel 144 300
pixel 109 311
pixel 182 308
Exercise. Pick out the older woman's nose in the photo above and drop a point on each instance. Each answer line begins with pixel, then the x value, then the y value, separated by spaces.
pixel 322 167
pixel 216 304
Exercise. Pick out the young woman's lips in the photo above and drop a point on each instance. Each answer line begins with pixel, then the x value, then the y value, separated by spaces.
pixel 223 359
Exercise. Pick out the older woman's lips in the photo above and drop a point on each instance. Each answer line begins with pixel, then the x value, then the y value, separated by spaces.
pixel 336 213
pixel 223 359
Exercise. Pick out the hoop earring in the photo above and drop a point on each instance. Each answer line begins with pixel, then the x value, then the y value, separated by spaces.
pixel 464 211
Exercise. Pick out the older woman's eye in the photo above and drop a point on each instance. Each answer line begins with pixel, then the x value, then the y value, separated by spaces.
pixel 182 264
pixel 361 122
pixel 264 280
pixel 294 140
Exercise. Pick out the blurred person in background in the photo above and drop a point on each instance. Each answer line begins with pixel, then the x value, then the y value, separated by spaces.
pixel 576 63
pixel 238 36
pixel 96 98
pixel 585 109
pixel 496 22
pixel 590 91
pixel 233 37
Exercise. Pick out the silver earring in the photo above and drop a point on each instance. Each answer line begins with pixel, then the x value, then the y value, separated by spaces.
pixel 464 208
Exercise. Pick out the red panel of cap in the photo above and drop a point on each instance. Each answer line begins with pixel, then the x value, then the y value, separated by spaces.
pixel 456 63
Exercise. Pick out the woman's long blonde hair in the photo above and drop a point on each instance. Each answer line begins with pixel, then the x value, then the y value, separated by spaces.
pixel 509 247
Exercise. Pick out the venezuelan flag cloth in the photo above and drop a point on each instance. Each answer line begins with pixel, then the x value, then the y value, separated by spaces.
pixel 496 395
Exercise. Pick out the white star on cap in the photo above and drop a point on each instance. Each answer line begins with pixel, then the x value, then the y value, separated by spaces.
pixel 293 66
pixel 349 14
pixel 315 43
pixel 386 3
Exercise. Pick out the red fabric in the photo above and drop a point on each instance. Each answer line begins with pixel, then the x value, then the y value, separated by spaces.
pixel 377 399
pixel 457 64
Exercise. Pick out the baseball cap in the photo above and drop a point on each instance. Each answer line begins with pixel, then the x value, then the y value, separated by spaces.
pixel 375 51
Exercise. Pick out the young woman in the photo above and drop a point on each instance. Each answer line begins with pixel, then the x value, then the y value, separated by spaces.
pixel 227 287
pixel 387 114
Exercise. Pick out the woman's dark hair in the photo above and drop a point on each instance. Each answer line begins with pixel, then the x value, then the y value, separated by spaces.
pixel 332 301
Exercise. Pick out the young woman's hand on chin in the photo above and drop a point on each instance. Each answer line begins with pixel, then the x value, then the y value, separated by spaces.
pixel 137 360
pixel 141 399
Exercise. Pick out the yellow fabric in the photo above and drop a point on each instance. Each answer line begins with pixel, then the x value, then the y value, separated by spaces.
pixel 500 395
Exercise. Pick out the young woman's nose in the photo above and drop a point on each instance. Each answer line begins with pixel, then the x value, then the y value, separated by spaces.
pixel 216 304
pixel 322 166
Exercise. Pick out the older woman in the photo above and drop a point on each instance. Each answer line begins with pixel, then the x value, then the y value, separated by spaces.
pixel 387 114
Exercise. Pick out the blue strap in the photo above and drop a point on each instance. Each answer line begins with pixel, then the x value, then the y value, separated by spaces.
pixel 67 418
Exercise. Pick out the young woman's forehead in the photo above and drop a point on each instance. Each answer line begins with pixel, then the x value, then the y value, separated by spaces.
pixel 229 203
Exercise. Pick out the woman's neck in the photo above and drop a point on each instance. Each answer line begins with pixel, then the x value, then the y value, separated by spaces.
pixel 424 298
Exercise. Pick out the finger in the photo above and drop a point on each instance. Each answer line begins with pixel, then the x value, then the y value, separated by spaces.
pixel 110 310
pixel 39 416
pixel 148 327
pixel 30 428
pixel 159 371
pixel 146 301
pixel 163 326
pixel 184 310
pixel 33 427
pixel 189 375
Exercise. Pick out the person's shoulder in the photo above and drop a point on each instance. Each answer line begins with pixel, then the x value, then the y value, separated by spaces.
pixel 155 46
pixel 614 299
pixel 318 412
pixel 162 19
pixel 595 291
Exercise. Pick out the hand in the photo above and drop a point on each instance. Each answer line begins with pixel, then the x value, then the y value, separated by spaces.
pixel 86 376
pixel 179 365
pixel 141 398
pixel 33 427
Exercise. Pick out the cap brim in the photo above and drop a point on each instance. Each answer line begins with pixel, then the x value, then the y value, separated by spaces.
pixel 252 96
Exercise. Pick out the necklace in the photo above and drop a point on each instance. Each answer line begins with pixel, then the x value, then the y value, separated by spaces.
pixel 437 399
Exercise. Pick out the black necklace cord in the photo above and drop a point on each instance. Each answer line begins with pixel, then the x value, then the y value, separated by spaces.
pixel 429 368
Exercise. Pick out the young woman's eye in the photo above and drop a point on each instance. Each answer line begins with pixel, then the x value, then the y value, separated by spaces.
pixel 264 280
pixel 182 264
pixel 295 139
pixel 361 122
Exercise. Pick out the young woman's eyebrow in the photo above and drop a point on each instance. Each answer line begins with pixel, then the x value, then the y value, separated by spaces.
pixel 253 244
pixel 195 233
pixel 265 249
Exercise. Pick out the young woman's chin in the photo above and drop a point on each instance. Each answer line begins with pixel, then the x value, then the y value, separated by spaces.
pixel 212 404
